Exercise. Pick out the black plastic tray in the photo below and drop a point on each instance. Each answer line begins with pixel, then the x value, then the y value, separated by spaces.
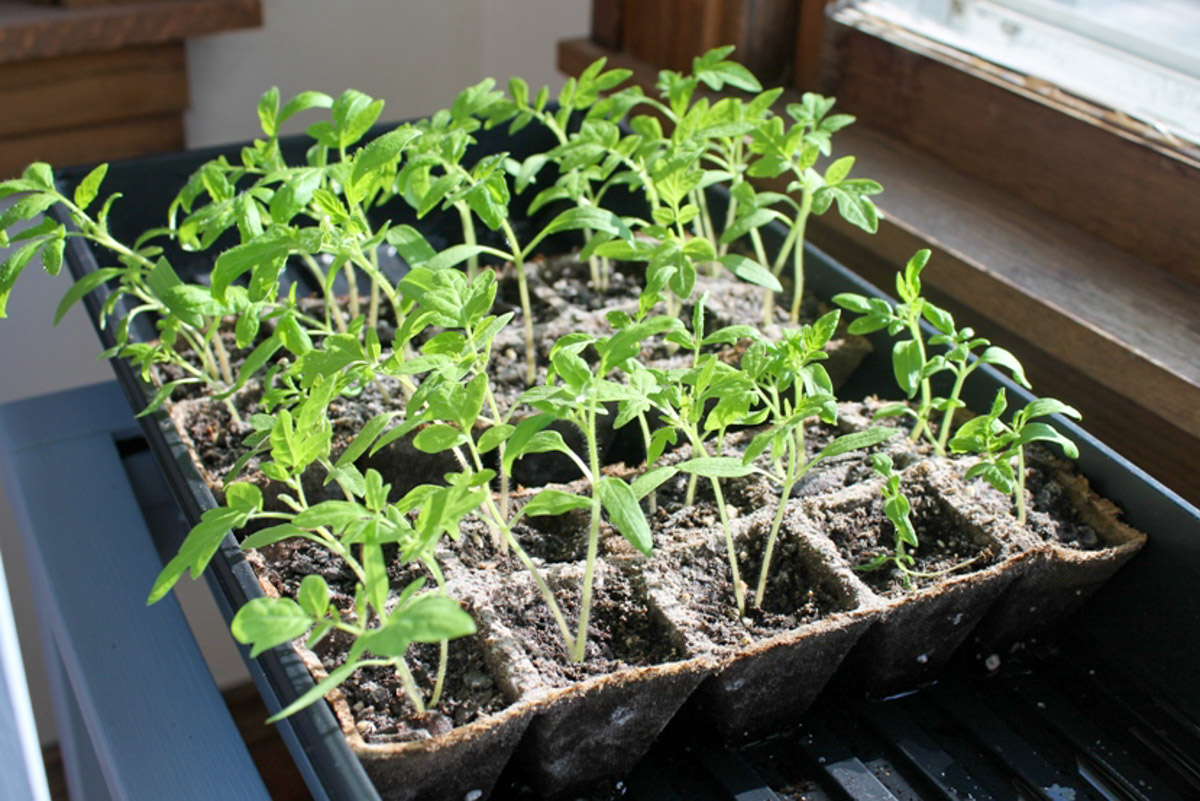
pixel 1146 621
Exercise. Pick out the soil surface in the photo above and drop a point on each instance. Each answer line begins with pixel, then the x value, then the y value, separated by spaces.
pixel 382 710
pixel 622 632
pixel 948 546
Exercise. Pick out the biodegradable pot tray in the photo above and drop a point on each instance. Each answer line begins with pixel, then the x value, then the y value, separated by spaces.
pixel 325 756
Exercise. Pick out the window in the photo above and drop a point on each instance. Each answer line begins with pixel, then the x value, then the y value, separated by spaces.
pixel 1139 58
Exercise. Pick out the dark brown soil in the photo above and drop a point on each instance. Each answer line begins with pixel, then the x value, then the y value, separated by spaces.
pixel 621 630
pixel 382 710
pixel 1051 516
pixel 799 588
pixel 947 544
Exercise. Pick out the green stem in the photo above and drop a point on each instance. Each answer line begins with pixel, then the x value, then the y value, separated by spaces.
pixel 526 306
pixel 440 682
pixel 410 685
pixel 352 284
pixel 948 416
pixel 585 606
pixel 914 327
pixel 739 594
pixel 1021 486
pixel 468 229
pixel 798 258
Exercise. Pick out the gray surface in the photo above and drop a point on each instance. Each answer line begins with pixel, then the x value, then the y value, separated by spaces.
pixel 22 775
pixel 143 697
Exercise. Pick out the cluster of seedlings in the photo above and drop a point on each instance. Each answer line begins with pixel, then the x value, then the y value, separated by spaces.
pixel 431 360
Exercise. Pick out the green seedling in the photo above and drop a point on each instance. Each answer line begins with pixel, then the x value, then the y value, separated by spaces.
pixel 578 393
pixel 898 510
pixel 998 443
pixel 912 364
pixel 793 387
pixel 187 316
pixel 485 190
pixel 793 151
pixel 355 530
pixel 587 158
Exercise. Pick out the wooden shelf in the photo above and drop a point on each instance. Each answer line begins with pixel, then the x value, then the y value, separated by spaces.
pixel 29 32
pixel 100 83
pixel 1108 332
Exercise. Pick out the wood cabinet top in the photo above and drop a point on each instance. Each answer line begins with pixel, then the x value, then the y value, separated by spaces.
pixel 29 31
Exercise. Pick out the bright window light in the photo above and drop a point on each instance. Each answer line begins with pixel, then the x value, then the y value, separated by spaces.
pixel 1139 57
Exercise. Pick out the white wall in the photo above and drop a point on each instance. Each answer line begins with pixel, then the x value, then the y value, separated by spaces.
pixel 416 54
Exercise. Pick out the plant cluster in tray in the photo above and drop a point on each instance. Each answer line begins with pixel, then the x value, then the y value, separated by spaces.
pixel 707 406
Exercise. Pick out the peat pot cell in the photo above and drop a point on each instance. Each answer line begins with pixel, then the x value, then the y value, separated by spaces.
pixel 919 628
pixel 1079 542
pixel 458 749
pixel 594 720
pixel 773 662
pixel 459 745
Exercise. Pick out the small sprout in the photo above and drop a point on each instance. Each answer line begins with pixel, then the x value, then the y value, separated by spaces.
pixel 998 443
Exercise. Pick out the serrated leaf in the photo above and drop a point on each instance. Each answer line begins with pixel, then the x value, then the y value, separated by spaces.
pixel 555 502
pixel 380 151
pixel 625 513
pixel 264 623
pixel 715 467
pixel 365 438
pixel 89 187
pixel 197 549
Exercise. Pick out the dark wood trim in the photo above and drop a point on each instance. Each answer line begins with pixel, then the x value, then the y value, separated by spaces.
pixel 30 32
pixel 92 88
pixel 810 39
pixel 1061 155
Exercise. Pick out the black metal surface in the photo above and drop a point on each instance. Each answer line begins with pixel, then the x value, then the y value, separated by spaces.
pixel 1112 716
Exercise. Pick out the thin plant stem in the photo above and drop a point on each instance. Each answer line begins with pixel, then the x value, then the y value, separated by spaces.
pixel 468 229
pixel 410 685
pixel 948 416
pixel 798 257
pixel 526 306
pixel 1021 486
pixel 443 657
pixel 739 594
pixel 585 605
pixel 352 284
